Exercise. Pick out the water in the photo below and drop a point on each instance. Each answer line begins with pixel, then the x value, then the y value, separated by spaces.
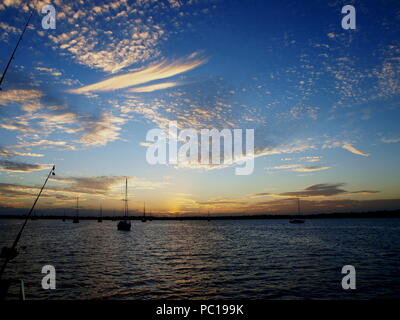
pixel 246 259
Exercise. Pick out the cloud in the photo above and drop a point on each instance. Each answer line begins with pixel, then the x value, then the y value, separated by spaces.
pixel 175 3
pixel 45 144
pixel 155 87
pixel 127 32
pixel 300 168
pixel 62 121
pixel 395 140
pixel 262 194
pixel 365 192
pixel 352 149
pixel 286 166
pixel 6 153
pixel 109 47
pixel 99 132
pixel 311 169
pixel 112 186
pixel 317 190
pixel 323 190
pixel 312 159
pixel 52 71
pixel 8 28
pixel 101 184
pixel 296 146
pixel 161 70
pixel 301 112
pixel 312 206
pixel 15 191
pixel 13 166
pixel 29 99
pixel 68 188
pixel 17 125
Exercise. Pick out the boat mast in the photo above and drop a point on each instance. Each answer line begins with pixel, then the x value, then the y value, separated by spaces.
pixel 15 49
pixel 77 206
pixel 298 206
pixel 126 198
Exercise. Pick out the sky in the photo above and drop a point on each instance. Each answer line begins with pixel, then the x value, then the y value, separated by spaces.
pixel 323 102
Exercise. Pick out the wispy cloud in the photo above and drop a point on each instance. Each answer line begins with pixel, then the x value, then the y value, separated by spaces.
pixel 311 168
pixel 365 192
pixel 45 144
pixel 155 87
pixel 17 125
pixel 394 140
pixel 317 190
pixel 294 147
pixel 323 190
pixel 352 149
pixel 64 189
pixel 98 132
pixel 52 71
pixel 14 166
pixel 28 99
pixel 7 153
pixel 161 70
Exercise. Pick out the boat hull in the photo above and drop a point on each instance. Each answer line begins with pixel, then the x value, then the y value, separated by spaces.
pixel 124 226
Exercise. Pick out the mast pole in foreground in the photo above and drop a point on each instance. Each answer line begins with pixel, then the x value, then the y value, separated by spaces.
pixel 11 253
pixel 15 49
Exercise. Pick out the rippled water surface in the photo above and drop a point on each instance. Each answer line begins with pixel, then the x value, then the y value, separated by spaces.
pixel 235 259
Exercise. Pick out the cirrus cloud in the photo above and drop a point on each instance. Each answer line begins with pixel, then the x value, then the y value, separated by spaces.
pixel 352 149
pixel 161 70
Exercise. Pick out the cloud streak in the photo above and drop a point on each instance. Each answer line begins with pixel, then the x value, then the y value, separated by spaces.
pixel 155 87
pixel 14 166
pixel 352 149
pixel 158 71
pixel 323 190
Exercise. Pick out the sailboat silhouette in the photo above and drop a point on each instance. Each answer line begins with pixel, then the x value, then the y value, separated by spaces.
pixel 125 225
pixel 298 213
pixel 144 213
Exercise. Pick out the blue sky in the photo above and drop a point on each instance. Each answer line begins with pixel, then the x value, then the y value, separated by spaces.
pixel 323 101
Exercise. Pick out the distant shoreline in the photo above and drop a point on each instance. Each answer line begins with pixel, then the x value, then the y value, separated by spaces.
pixel 342 215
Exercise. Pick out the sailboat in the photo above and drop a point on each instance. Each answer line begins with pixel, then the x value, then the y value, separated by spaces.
pixel 76 218
pixel 144 213
pixel 100 219
pixel 125 225
pixel 298 213
pixel 64 216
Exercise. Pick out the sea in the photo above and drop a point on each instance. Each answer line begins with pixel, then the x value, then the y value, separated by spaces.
pixel 199 260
